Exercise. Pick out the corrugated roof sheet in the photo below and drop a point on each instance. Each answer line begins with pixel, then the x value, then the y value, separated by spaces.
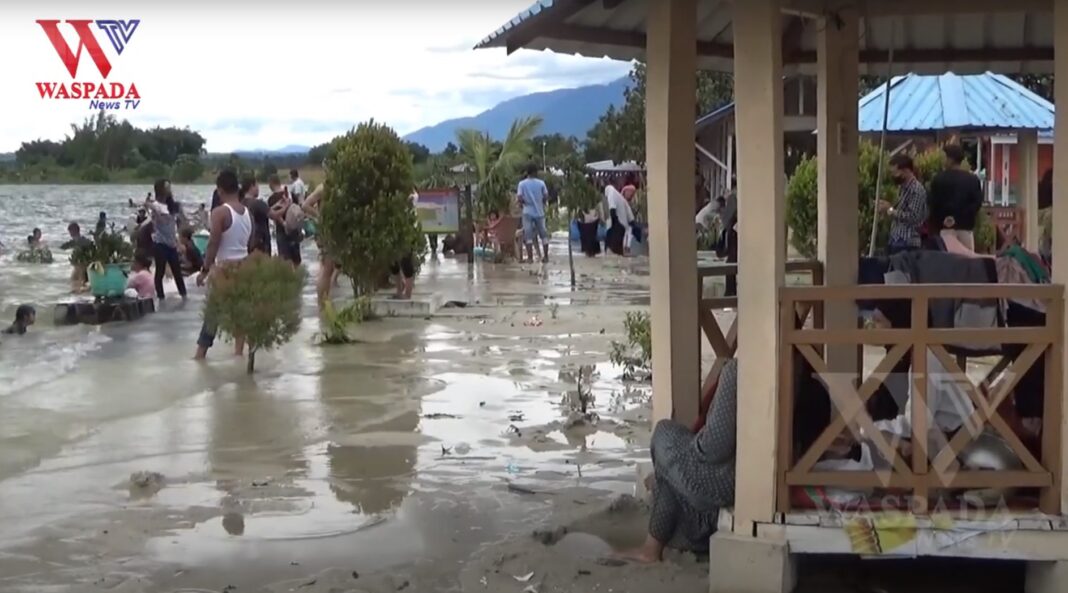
pixel 951 101
pixel 1017 37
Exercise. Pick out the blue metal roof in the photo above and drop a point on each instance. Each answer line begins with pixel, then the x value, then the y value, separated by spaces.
pixel 518 19
pixel 950 101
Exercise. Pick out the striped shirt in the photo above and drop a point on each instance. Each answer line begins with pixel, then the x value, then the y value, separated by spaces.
pixel 909 214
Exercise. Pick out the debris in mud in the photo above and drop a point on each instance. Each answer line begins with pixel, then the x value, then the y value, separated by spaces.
pixel 550 537
pixel 440 416
pixel 481 404
pixel 516 417
pixel 611 562
pixel 146 483
pixel 625 504
pixel 525 578
pixel 445 450
pixel 260 483
pixel 515 429
pixel 310 583
pixel 355 575
pixel 534 321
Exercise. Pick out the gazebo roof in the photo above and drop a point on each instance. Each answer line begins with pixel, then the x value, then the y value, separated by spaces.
pixel 923 103
pixel 950 101
pixel 929 36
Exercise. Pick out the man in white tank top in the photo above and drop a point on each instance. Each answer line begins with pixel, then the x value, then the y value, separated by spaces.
pixel 231 227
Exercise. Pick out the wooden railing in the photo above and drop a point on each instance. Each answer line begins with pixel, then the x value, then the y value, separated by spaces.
pixel 923 470
pixel 726 344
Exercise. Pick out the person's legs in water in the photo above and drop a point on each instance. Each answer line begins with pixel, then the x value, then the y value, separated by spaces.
pixel 206 339
pixel 160 256
pixel 407 268
pixel 543 234
pixel 175 262
pixel 663 517
pixel 326 280
pixel 528 236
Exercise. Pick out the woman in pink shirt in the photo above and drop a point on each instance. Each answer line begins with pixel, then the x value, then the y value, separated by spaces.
pixel 141 279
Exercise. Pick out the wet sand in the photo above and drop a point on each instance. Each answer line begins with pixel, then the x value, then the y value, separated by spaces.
pixel 417 455
pixel 432 455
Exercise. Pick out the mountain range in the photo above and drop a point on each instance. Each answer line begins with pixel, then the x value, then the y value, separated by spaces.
pixel 569 112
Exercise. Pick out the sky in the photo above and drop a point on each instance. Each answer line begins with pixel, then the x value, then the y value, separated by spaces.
pixel 267 74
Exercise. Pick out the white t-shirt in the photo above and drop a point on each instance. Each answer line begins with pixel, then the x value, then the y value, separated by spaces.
pixel 621 205
pixel 297 190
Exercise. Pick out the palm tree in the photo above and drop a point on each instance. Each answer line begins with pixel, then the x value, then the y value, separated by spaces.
pixel 496 164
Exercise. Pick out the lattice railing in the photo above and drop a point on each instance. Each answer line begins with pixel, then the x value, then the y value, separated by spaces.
pixel 920 470
pixel 725 344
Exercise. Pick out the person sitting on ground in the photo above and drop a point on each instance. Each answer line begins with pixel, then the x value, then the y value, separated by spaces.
pixel 191 259
pixel 693 476
pixel 140 279
pixel 25 316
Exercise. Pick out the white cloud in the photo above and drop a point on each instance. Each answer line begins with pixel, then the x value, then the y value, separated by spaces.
pixel 283 72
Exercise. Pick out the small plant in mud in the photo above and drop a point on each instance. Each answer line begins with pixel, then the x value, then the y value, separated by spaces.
pixel 580 400
pixel 636 354
pixel 554 308
pixel 334 323
pixel 258 299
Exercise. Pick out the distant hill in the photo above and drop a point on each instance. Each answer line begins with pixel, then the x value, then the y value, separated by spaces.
pixel 260 152
pixel 570 112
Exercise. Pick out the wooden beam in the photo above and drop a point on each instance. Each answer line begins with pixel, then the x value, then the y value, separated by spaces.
pixel 791 38
pixel 542 23
pixel 877 8
pixel 611 4
pixel 709 49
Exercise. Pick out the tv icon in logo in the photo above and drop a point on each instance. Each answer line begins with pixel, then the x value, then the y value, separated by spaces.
pixel 103 95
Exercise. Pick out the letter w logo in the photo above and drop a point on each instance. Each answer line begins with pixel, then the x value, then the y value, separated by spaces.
pixel 86 39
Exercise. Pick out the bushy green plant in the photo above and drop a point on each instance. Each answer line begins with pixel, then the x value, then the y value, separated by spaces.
pixel 636 354
pixel 367 219
pixel 152 170
pixel 95 174
pixel 259 299
pixel 187 168
pixel 108 247
pixel 802 201
pixel 334 323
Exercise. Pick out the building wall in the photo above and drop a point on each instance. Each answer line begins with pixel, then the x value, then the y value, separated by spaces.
pixel 1012 153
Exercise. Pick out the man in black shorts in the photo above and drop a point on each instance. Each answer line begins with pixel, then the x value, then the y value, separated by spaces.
pixel 404 271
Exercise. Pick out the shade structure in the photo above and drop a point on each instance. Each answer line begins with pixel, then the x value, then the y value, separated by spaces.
pixel 927 36
pixel 974 102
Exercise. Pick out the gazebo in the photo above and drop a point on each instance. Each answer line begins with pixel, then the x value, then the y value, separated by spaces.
pixel 837 40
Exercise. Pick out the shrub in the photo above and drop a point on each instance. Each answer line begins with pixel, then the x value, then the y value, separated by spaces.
pixel 368 221
pixel 636 355
pixel 334 323
pixel 95 174
pixel 107 247
pixel 152 170
pixel 260 299
pixel 802 200
pixel 187 168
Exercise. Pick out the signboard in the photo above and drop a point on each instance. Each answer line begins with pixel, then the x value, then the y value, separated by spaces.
pixel 439 210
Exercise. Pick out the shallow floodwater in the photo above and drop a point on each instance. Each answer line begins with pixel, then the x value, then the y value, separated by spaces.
pixel 398 447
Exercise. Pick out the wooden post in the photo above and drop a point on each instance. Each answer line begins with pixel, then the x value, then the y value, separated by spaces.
pixel 470 222
pixel 671 56
pixel 758 92
pixel 1028 146
pixel 838 68
pixel 1060 215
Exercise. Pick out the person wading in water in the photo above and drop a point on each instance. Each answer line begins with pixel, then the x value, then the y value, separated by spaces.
pixel 231 228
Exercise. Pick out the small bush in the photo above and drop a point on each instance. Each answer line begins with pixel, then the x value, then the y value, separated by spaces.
pixel 636 355
pixel 152 170
pixel 260 299
pixel 335 323
pixel 187 168
pixel 95 174
pixel 368 221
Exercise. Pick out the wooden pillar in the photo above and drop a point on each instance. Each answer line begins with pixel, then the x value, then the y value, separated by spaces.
pixel 670 95
pixel 758 96
pixel 1028 146
pixel 838 74
pixel 1060 212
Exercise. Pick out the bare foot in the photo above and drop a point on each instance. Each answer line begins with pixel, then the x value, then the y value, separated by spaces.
pixel 639 555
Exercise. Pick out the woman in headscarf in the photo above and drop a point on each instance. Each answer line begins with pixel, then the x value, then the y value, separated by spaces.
pixel 620 217
pixel 693 476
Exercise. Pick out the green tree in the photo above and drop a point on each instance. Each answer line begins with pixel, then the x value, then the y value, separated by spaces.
pixel 152 170
pixel 368 221
pixel 187 168
pixel 95 174
pixel 267 168
pixel 620 133
pixel 419 152
pixel 259 299
pixel 496 165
